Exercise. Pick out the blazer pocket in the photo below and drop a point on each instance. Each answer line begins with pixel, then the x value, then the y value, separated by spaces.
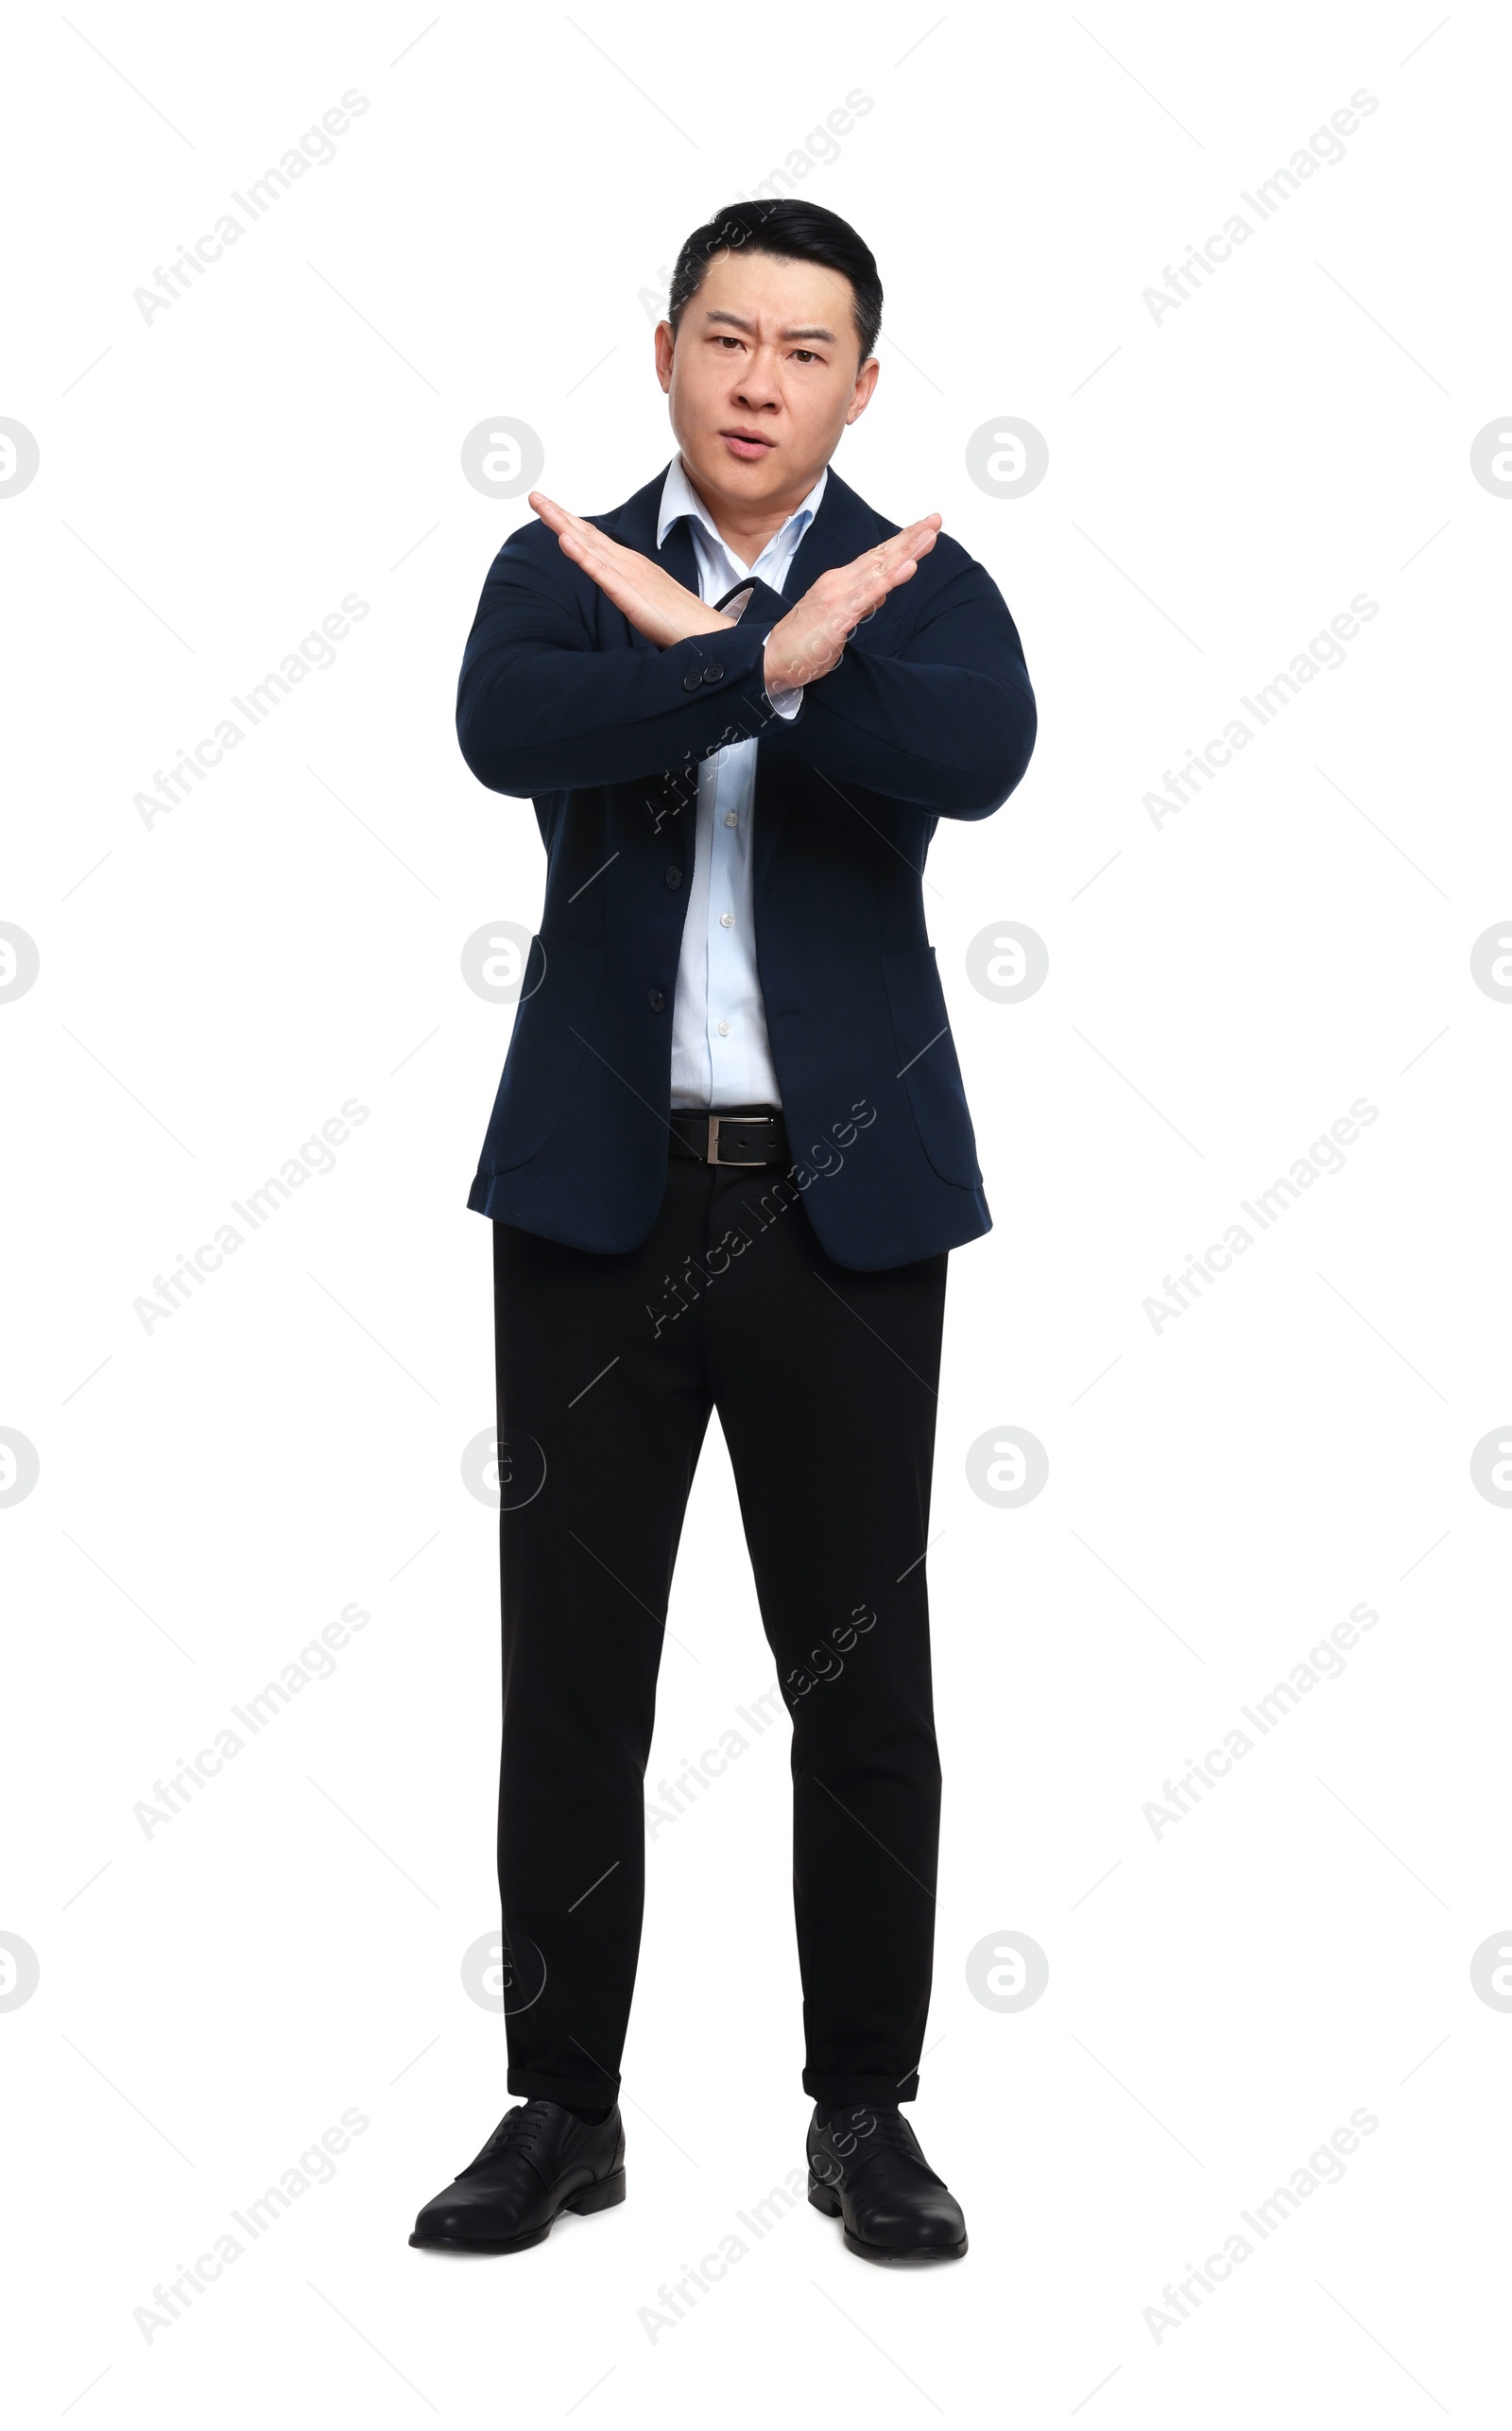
pixel 927 1066
pixel 563 975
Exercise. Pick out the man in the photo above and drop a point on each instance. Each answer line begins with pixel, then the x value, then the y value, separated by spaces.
pixel 729 1156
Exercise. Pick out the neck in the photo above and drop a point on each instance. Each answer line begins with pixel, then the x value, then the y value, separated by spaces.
pixel 743 527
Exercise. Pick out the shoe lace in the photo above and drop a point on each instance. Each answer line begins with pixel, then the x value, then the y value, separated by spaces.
pixel 520 2129
pixel 861 2129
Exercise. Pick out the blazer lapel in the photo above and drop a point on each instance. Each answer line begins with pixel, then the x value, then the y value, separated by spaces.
pixel 840 531
pixel 634 525
pixel 676 555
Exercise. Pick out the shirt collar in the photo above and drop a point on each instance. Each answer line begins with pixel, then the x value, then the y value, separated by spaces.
pixel 679 498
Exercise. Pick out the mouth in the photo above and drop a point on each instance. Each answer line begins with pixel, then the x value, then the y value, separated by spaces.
pixel 748 445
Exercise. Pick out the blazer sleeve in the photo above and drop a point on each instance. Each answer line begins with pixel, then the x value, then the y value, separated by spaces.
pixel 948 721
pixel 541 708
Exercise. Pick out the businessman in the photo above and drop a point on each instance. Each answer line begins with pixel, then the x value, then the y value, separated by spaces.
pixel 729 1155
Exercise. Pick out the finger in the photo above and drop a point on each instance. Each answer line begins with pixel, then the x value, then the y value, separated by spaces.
pixel 573 535
pixel 910 534
pixel 568 528
pixel 864 604
pixel 581 554
pixel 874 589
pixel 903 567
pixel 550 513
pixel 586 545
pixel 913 541
pixel 586 548
pixel 899 575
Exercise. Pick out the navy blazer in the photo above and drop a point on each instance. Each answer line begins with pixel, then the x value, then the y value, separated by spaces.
pixel 929 714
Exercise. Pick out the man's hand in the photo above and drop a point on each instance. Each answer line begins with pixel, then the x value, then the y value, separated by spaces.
pixel 656 605
pixel 811 638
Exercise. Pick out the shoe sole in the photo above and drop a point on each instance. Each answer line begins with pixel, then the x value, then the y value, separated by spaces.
pixel 825 2199
pixel 599 2198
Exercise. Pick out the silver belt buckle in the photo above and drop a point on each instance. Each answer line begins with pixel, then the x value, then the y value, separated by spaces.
pixel 713 1156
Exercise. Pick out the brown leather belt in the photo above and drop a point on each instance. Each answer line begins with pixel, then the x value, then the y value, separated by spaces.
pixel 729 1139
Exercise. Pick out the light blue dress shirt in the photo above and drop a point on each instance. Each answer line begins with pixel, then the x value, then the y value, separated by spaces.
pixel 720 1055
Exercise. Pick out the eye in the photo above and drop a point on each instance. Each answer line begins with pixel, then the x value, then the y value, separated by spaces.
pixel 805 354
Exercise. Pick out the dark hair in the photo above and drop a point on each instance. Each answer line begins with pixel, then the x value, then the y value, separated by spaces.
pixel 794 232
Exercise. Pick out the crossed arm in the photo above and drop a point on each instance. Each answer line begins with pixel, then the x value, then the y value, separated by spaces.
pixel 948 724
pixel 807 641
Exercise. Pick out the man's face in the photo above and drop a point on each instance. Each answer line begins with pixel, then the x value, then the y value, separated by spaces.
pixel 763 377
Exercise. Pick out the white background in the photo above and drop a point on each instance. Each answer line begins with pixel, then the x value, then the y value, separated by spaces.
pixel 1221 988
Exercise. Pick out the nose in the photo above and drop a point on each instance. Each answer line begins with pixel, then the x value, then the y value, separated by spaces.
pixel 758 379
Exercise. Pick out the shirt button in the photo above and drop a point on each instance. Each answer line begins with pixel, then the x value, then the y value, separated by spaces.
pixel 692 682
pixel 724 1029
pixel 727 920
pixel 732 818
pixel 655 999
pixel 713 673
pixel 674 877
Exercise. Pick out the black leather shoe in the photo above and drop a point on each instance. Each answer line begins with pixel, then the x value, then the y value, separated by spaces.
pixel 540 2159
pixel 866 2168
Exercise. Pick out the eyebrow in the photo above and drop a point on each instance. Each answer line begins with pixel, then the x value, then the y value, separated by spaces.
pixel 736 322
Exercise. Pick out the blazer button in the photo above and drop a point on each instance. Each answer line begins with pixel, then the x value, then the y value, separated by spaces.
pixel 691 683
pixel 655 999
pixel 713 674
pixel 674 878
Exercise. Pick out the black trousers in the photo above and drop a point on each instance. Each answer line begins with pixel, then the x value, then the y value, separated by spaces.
pixel 825 1380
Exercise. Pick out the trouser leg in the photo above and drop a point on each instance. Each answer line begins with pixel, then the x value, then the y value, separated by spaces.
pixel 826 1380
pixel 600 1420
